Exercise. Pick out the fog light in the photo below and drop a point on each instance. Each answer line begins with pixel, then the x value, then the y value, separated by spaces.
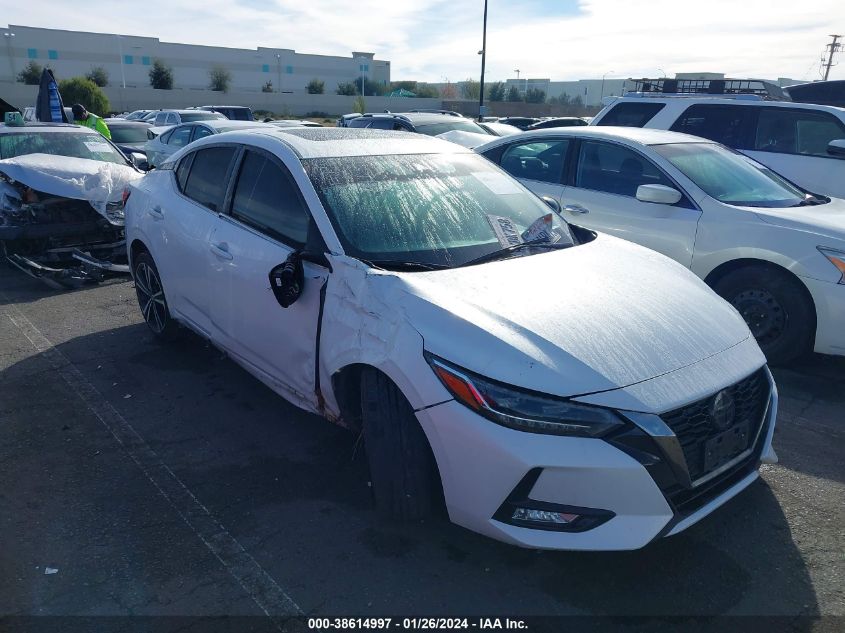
pixel 543 516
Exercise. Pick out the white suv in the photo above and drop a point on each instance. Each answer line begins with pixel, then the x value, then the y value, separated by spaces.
pixel 801 141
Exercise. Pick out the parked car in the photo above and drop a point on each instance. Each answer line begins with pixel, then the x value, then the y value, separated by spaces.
pixel 137 115
pixel 149 117
pixel 61 205
pixel 130 137
pixel 522 122
pixel 563 121
pixel 344 119
pixel 161 146
pixel 499 129
pixel 175 117
pixel 773 250
pixel 803 142
pixel 293 123
pixel 558 388
pixel 428 123
pixel 233 113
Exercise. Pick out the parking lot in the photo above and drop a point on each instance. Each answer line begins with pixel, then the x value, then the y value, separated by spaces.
pixel 164 480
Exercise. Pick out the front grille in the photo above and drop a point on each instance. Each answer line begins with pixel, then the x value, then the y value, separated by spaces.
pixel 694 427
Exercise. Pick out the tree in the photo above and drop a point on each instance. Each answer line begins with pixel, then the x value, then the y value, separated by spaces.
pixel 513 94
pixel 564 99
pixel 470 89
pixel 347 88
pixel 448 91
pixel 84 91
pixel 99 76
pixel 161 76
pixel 219 78
pixel 371 88
pixel 316 87
pixel 268 87
pixel 31 74
pixel 427 92
pixel 535 95
pixel 359 105
pixel 578 102
pixel 496 92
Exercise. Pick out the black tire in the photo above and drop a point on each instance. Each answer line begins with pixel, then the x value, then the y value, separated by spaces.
pixel 151 298
pixel 776 308
pixel 402 468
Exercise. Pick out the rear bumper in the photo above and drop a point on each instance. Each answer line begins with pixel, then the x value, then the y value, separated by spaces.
pixel 829 299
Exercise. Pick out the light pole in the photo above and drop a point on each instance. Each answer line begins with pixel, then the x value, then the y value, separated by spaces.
pixel 663 73
pixel 8 35
pixel 602 84
pixel 279 72
pixel 483 52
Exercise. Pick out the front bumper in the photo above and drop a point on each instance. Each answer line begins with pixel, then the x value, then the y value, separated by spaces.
pixel 829 299
pixel 481 463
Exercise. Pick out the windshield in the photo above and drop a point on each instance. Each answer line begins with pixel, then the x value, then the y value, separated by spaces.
pixel 73 144
pixel 433 129
pixel 128 134
pixel 443 210
pixel 200 116
pixel 730 177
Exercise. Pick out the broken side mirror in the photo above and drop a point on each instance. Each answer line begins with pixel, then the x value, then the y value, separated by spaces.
pixel 287 280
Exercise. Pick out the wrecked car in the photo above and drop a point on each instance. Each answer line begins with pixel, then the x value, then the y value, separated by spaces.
pixel 556 387
pixel 61 202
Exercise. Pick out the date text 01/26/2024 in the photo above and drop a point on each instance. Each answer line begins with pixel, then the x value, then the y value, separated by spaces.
pixel 423 624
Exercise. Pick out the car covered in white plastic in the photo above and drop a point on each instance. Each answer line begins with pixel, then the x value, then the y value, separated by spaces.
pixel 61 202
pixel 556 387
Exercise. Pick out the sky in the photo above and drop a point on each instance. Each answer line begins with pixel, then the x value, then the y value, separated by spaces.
pixel 439 40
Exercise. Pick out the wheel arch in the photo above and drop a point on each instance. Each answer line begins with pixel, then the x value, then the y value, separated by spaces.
pixel 137 246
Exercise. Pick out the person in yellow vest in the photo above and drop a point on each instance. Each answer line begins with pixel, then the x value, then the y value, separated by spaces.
pixel 81 116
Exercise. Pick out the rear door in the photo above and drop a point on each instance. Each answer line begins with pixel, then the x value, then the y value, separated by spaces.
pixel 538 163
pixel 606 176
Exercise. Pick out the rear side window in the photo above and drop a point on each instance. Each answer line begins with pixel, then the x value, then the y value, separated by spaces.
pixel 382 124
pixel 631 114
pixel 267 199
pixel 182 171
pixel 725 124
pixel 804 132
pixel 206 183
pixel 202 132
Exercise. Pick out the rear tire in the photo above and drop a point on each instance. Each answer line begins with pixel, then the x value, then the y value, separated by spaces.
pixel 402 467
pixel 151 298
pixel 775 307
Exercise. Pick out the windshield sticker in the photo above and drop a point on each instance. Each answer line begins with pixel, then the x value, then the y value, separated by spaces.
pixel 97 146
pixel 541 230
pixel 505 230
pixel 500 184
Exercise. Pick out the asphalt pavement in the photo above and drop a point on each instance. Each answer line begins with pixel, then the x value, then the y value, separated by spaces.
pixel 142 479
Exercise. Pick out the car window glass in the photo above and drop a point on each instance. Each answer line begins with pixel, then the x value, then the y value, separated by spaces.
pixel 725 124
pixel 207 180
pixel 796 131
pixel 182 171
pixel 161 117
pixel 541 160
pixel 202 132
pixel 180 137
pixel 615 169
pixel 631 114
pixel 382 124
pixel 267 199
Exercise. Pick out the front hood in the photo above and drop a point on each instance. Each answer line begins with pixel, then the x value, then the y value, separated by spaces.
pixel 594 317
pixel 98 182
pixel 822 219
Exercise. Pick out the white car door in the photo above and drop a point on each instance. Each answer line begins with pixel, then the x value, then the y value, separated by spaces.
pixel 185 220
pixel 266 222
pixel 537 163
pixel 603 197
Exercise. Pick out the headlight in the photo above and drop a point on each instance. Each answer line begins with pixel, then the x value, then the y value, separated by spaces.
pixel 521 409
pixel 837 258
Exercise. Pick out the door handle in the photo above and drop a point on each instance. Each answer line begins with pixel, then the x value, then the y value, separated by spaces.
pixel 221 249
pixel 156 212
pixel 576 208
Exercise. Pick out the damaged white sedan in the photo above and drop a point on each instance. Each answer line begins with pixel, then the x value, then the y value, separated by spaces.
pixel 555 387
pixel 61 202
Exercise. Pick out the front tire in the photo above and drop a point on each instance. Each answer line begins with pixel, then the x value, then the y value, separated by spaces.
pixel 151 298
pixel 402 467
pixel 776 308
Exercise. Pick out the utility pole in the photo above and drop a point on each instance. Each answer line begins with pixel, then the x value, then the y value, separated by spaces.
pixel 834 47
pixel 483 52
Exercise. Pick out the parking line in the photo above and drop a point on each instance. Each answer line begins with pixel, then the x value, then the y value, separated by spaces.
pixel 261 587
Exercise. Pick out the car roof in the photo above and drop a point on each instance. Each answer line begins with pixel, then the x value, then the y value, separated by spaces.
pixel 123 122
pixel 741 100
pixel 416 118
pixel 46 127
pixel 182 111
pixel 230 107
pixel 642 136
pixel 229 123
pixel 330 142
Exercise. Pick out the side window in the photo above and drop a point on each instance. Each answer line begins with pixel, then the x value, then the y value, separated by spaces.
pixel 182 171
pixel 615 169
pixel 206 183
pixel 725 124
pixel 165 138
pixel 173 119
pixel 541 161
pixel 180 137
pixel 805 132
pixel 267 198
pixel 160 119
pixel 382 124
pixel 629 114
pixel 200 131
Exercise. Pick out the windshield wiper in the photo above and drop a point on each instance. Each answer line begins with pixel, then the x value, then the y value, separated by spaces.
pixel 391 264
pixel 513 248
pixel 811 200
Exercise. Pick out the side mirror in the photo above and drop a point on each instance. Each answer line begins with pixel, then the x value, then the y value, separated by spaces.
pixel 837 148
pixel 658 194
pixel 553 204
pixel 287 280
pixel 139 160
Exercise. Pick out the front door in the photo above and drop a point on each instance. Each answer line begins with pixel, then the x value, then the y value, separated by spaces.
pixel 538 164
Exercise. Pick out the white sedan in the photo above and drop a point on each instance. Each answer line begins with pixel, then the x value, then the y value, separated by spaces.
pixel 775 251
pixel 556 387
pixel 163 142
